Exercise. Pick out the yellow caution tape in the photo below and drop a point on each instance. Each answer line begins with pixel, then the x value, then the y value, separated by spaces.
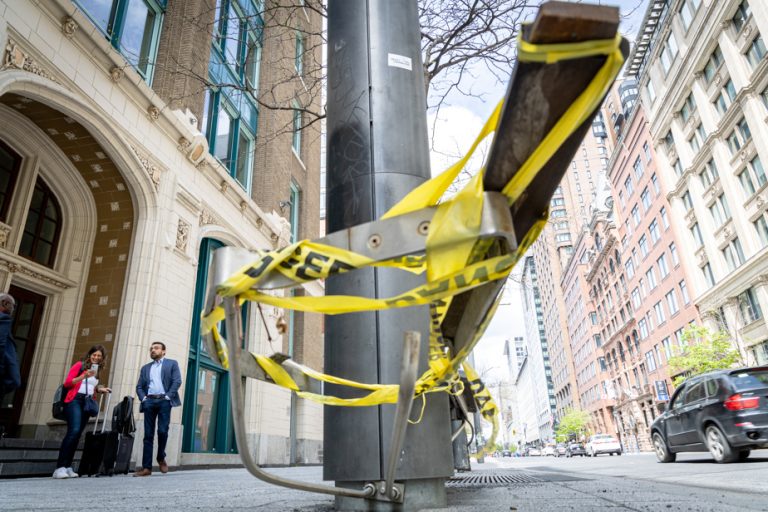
pixel 451 268
pixel 488 409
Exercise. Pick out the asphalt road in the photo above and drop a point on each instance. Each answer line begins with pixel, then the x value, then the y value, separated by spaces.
pixel 536 484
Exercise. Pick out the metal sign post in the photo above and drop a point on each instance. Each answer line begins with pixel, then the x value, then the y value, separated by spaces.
pixel 377 153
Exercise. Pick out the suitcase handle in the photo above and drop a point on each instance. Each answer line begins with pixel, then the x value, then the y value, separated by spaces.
pixel 104 420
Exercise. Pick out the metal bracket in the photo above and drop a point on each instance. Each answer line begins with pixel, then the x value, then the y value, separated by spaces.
pixel 380 240
pixel 396 494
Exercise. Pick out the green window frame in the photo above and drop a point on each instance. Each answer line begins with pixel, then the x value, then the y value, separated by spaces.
pixel 230 114
pixel 131 26
pixel 297 125
pixel 206 415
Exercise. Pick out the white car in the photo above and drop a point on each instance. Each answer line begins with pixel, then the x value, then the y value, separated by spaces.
pixel 549 451
pixel 603 443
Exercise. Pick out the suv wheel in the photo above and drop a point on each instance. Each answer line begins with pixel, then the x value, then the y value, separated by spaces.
pixel 744 454
pixel 662 451
pixel 719 446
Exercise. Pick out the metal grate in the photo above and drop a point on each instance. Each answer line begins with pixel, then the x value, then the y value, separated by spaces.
pixel 492 479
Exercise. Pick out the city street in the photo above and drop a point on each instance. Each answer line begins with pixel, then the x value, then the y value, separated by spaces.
pixel 540 484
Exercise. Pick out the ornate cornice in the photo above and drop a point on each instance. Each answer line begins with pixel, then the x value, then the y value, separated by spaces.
pixel 16 58
pixel 152 170
pixel 207 217
pixel 15 266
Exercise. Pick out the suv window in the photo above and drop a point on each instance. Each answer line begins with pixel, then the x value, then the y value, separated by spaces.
pixel 677 398
pixel 713 387
pixel 695 393
pixel 750 379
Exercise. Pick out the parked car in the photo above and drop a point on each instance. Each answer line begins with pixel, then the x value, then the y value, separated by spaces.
pixel 549 450
pixel 574 449
pixel 602 443
pixel 560 450
pixel 506 453
pixel 534 452
pixel 724 412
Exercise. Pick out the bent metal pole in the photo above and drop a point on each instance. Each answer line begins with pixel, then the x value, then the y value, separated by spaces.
pixel 377 152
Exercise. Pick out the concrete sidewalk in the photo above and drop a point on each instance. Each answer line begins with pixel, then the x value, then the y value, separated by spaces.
pixel 236 490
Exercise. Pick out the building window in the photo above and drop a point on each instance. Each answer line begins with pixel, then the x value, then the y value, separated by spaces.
pixel 299 59
pixel 645 198
pixel 688 11
pixel 636 215
pixel 664 218
pixel 733 254
pixel 749 306
pixel 696 232
pixel 659 310
pixel 739 137
pixel 673 254
pixel 678 167
pixel 743 12
pixel 10 163
pixel 663 267
pixel 647 149
pixel 653 229
pixel 42 227
pixel 719 210
pixel 296 141
pixel 650 92
pixel 668 52
pixel 638 166
pixel 687 201
pixel 756 52
pixel 642 324
pixel 629 268
pixel 643 244
pixel 764 95
pixel 746 183
pixel 131 26
pixel 709 277
pixel 688 108
pixel 713 64
pixel 650 360
pixel 672 302
pixel 709 174
pixel 761 226
pixel 636 299
pixel 684 292
pixel 229 115
pixel 294 214
pixel 628 186
pixel 650 276
pixel 725 97
pixel 698 138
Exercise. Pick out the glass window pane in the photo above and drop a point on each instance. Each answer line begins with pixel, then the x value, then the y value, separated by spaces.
pixel 42 252
pixel 136 35
pixel 100 11
pixel 232 39
pixel 223 134
pixel 244 158
pixel 207 400
pixel 48 231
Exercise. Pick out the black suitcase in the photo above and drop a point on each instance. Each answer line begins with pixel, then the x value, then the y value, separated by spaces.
pixel 124 451
pixel 95 444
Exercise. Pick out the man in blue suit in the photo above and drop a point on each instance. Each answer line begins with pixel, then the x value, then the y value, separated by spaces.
pixel 158 391
pixel 10 378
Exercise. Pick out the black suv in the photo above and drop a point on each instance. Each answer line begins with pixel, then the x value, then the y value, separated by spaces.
pixel 724 412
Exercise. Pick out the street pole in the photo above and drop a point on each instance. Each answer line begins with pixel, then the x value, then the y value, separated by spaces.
pixel 377 153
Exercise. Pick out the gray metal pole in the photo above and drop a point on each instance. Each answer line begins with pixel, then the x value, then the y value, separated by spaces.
pixel 377 152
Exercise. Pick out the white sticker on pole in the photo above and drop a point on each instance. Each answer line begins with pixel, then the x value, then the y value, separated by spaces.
pixel 399 61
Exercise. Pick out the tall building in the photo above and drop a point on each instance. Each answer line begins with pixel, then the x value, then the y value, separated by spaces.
pixel 569 211
pixel 536 373
pixel 703 77
pixel 134 142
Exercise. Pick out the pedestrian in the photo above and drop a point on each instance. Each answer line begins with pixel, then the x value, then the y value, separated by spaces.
pixel 82 381
pixel 10 378
pixel 158 391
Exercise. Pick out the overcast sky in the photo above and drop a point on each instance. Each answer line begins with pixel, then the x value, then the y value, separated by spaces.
pixel 454 131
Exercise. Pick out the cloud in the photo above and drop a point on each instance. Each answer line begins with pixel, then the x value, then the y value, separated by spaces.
pixel 452 133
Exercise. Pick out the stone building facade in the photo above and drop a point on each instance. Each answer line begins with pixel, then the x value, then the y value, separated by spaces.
pixel 136 138
pixel 703 76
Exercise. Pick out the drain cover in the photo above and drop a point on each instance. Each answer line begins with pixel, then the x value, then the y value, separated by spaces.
pixel 492 479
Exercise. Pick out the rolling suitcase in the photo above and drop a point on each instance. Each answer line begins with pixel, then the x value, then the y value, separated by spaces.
pixel 95 444
pixel 117 454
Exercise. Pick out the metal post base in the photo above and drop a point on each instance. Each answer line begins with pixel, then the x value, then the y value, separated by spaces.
pixel 419 494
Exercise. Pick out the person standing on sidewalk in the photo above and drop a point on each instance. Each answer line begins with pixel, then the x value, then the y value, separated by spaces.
pixel 10 378
pixel 158 391
pixel 81 382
